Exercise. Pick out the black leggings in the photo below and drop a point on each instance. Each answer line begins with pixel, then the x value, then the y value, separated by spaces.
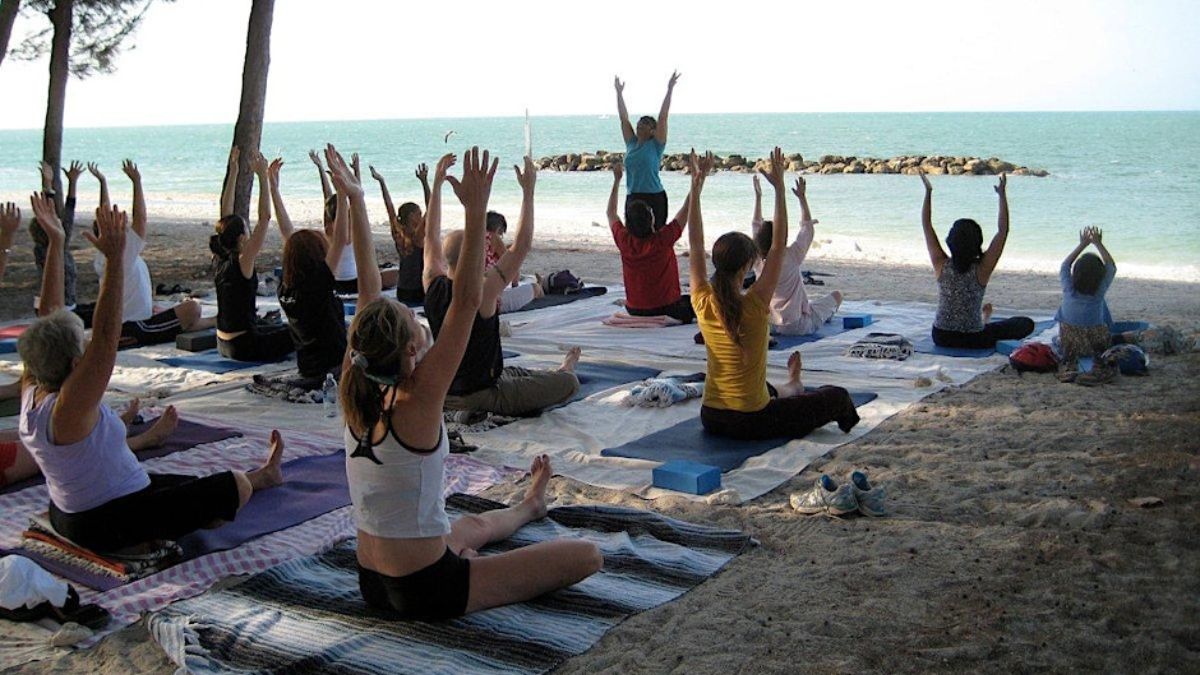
pixel 680 310
pixel 432 593
pixel 263 343
pixel 657 201
pixel 169 508
pixel 1013 328
pixel 791 417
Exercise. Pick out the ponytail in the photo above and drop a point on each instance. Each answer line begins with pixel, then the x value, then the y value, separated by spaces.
pixel 378 339
pixel 732 253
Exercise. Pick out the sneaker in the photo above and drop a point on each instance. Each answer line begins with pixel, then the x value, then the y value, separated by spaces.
pixel 870 498
pixel 825 496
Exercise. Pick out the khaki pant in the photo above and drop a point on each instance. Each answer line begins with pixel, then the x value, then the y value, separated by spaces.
pixel 519 391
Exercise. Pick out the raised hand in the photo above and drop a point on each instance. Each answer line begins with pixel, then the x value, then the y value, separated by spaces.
pixel 528 178
pixel 273 170
pixel 618 85
pixel 1096 235
pixel 47 172
pixel 1085 236
pixel 131 170
pixel 439 172
pixel 94 169
pixel 235 154
pixel 475 187
pixel 673 80
pixel 775 175
pixel 355 165
pixel 422 172
pixel 757 186
pixel 1002 187
pixel 10 220
pixel 258 164
pixel 316 159
pixel 925 181
pixel 46 215
pixel 375 174
pixel 341 174
pixel 110 224
pixel 74 171
pixel 799 188
pixel 700 166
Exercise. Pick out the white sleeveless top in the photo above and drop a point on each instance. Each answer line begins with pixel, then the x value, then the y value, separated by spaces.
pixel 401 497
pixel 347 269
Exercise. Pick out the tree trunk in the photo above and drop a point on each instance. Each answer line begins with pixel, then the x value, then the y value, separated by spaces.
pixel 8 16
pixel 60 61
pixel 247 133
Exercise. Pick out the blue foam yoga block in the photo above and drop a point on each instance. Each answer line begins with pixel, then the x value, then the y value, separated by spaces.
pixel 8 346
pixel 684 476
pixel 350 308
pixel 1007 347
pixel 857 320
pixel 1126 326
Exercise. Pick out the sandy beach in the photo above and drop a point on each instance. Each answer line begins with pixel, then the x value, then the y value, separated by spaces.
pixel 1012 544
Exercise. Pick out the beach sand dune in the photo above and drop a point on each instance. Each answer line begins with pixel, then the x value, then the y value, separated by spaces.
pixel 1012 545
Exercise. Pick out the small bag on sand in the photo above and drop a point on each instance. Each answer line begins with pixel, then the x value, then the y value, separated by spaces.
pixel 1036 357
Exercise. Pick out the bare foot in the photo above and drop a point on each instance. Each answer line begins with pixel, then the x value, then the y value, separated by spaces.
pixel 537 290
pixel 540 472
pixel 131 411
pixel 270 474
pixel 795 365
pixel 572 358
pixel 987 312
pixel 158 432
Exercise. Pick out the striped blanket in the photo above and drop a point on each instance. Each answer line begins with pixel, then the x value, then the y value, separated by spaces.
pixel 307 614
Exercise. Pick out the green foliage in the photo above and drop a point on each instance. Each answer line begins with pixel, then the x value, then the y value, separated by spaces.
pixel 98 31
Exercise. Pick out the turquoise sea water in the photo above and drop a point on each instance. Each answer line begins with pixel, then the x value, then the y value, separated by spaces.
pixel 1137 175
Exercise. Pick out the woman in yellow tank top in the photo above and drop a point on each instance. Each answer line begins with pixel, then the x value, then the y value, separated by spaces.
pixel 738 400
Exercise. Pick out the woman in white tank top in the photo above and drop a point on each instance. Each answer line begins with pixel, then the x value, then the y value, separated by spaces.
pixel 412 559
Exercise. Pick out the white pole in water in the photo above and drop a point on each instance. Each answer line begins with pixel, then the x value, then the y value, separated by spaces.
pixel 528 136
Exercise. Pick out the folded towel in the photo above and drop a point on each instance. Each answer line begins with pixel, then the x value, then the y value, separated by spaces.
pixel 660 392
pixel 881 346
pixel 126 565
pixel 624 320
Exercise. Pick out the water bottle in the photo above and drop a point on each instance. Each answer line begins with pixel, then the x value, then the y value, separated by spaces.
pixel 329 393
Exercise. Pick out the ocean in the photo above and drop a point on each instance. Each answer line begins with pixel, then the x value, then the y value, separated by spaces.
pixel 1133 174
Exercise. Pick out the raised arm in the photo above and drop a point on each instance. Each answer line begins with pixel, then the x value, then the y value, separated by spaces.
pixel 387 197
pixel 326 191
pixel 660 131
pixel 509 265
pixel 285 222
pixel 138 223
pixel 10 220
pixel 339 234
pixel 52 272
pixel 992 255
pixel 435 262
pixel 258 164
pixel 612 213
pixel 437 370
pixel 697 265
pixel 352 203
pixel 757 220
pixel 74 171
pixel 764 285
pixel 94 169
pixel 231 175
pixel 622 112
pixel 1064 270
pixel 422 174
pixel 47 174
pixel 806 231
pixel 937 256
pixel 78 407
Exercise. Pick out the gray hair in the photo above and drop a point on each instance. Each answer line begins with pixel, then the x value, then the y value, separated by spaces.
pixel 49 346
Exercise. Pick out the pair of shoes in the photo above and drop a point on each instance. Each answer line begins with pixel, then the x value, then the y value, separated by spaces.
pixel 826 496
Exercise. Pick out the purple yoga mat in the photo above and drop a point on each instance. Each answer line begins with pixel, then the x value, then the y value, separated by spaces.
pixel 187 435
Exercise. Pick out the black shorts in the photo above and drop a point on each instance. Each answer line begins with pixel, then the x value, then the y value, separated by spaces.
pixel 434 593
pixel 345 286
pixel 265 343
pixel 169 508
pixel 657 202
pixel 160 328
pixel 680 310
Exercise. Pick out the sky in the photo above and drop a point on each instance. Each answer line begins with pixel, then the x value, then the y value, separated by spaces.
pixel 379 59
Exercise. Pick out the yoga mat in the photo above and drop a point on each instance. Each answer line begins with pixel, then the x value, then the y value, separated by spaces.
pixel 925 344
pixel 312 486
pixel 8 346
pixel 308 613
pixel 1126 326
pixel 559 299
pixel 595 376
pixel 688 440
pixel 187 435
pixel 210 362
pixel 828 329
pixel 13 331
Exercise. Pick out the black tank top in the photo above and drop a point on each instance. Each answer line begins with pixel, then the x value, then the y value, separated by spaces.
pixel 317 320
pixel 484 359
pixel 236 307
pixel 412 266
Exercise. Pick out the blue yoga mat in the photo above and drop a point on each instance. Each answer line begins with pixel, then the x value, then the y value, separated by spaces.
pixel 561 299
pixel 827 329
pixel 688 440
pixel 209 361
pixel 597 376
pixel 312 486
pixel 8 346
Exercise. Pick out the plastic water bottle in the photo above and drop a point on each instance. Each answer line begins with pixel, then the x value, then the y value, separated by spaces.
pixel 329 394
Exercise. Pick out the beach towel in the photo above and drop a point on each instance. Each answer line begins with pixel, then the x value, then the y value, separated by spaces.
pixel 308 614
pixel 661 392
pixel 557 299
pixel 597 376
pixel 881 346
pixel 827 329
pixel 188 434
pixel 625 320
pixel 688 440
pixel 13 331
pixel 290 387
pixel 209 361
